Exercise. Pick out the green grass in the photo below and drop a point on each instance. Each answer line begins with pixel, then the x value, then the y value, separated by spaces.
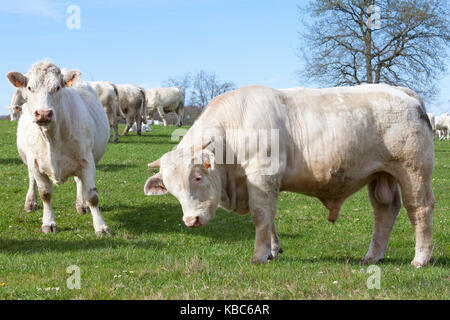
pixel 154 256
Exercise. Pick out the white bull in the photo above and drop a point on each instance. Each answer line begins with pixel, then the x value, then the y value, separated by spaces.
pixel 325 143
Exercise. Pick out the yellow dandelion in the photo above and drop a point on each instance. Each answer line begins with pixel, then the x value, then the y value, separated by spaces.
pixel 3 284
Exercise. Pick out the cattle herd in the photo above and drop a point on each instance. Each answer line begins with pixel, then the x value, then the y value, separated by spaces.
pixel 325 143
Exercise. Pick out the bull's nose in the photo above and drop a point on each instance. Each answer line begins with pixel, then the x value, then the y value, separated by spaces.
pixel 193 222
pixel 43 116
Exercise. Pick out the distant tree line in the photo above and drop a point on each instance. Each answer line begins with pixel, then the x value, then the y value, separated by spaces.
pixel 200 88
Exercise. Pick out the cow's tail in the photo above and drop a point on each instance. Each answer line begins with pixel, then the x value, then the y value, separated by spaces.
pixel 116 91
pixel 143 105
pixel 421 109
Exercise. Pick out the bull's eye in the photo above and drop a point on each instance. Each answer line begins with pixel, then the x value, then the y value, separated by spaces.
pixel 29 89
pixel 57 88
pixel 198 178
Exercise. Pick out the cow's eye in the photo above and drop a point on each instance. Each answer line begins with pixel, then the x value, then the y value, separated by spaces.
pixel 57 88
pixel 29 89
pixel 198 178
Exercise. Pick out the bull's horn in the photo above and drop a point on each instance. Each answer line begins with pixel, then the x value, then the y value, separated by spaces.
pixel 155 164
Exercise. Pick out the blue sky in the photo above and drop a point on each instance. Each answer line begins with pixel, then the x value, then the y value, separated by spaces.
pixel 146 42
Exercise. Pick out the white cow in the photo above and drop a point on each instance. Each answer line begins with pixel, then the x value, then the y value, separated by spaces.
pixel 132 105
pixel 442 124
pixel 325 143
pixel 62 132
pixel 165 100
pixel 15 108
pixel 108 96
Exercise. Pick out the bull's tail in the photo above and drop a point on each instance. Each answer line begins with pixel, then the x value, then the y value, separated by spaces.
pixel 119 108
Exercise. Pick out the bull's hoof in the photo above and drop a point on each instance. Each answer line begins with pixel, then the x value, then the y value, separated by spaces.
pixel 31 206
pixel 81 208
pixel 52 228
pixel 103 231
pixel 280 251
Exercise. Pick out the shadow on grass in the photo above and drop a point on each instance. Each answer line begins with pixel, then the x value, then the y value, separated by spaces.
pixel 225 227
pixel 406 261
pixel 10 161
pixel 109 167
pixel 44 245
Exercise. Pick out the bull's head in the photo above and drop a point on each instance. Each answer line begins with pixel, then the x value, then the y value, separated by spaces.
pixel 41 88
pixel 195 182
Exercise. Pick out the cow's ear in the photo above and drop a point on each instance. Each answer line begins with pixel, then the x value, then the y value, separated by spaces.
pixel 154 186
pixel 17 79
pixel 209 160
pixel 18 109
pixel 70 77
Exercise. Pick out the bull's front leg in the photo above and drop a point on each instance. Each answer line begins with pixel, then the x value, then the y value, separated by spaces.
pixel 263 196
pixel 31 202
pixel 80 203
pixel 89 191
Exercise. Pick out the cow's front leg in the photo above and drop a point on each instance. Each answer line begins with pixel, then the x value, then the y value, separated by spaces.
pixel 263 195
pixel 31 202
pixel 87 179
pixel 46 191
pixel 80 203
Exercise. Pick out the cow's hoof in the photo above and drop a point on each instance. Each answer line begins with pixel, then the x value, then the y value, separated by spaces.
pixel 81 208
pixel 53 228
pixel 31 206
pixel 103 231
pixel 420 264
pixel 366 261
pixel 280 251
pixel 257 260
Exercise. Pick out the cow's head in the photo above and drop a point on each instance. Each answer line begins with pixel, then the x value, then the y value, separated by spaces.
pixel 41 88
pixel 195 182
pixel 14 112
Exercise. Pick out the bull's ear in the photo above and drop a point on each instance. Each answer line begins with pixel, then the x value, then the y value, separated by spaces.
pixel 209 160
pixel 18 109
pixel 154 186
pixel 17 79
pixel 70 77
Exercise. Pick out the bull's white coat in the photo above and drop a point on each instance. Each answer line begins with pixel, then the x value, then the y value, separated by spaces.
pixel 332 142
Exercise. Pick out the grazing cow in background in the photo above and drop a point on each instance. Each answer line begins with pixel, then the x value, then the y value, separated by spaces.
pixel 443 126
pixel 326 143
pixel 62 132
pixel 108 95
pixel 15 108
pixel 132 104
pixel 165 100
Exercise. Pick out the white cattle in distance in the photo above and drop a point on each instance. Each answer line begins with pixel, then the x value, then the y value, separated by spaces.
pixel 165 100
pixel 63 132
pixel 325 143
pixel 442 124
pixel 145 128
pixel 15 108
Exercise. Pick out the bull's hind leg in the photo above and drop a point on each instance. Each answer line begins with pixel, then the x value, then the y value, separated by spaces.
pixel 80 203
pixel 385 199
pixel 89 191
pixel 31 202
pixel 128 125
pixel 418 199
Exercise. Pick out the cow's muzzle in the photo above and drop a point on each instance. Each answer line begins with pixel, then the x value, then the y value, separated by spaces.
pixel 193 222
pixel 43 117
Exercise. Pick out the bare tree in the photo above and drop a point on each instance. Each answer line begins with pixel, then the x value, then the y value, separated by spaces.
pixel 206 86
pixel 183 82
pixel 399 42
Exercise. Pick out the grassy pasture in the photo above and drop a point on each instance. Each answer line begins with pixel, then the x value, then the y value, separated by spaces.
pixel 154 256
